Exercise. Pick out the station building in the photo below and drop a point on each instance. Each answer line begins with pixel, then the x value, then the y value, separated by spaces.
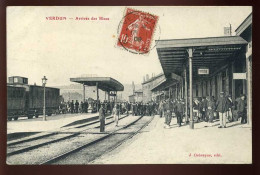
pixel 137 96
pixel 200 67
pixel 148 85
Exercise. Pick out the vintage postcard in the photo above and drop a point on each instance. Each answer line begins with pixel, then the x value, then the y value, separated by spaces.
pixel 129 85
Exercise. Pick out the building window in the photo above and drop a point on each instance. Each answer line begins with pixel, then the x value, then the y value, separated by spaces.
pixel 15 80
pixel 25 81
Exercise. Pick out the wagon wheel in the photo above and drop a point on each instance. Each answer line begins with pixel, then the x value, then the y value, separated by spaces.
pixel 9 118
pixel 15 118
pixel 30 116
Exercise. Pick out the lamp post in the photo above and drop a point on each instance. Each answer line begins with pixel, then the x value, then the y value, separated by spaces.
pixel 44 81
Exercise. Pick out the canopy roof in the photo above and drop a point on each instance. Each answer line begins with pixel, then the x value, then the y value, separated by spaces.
pixel 207 52
pixel 104 83
pixel 164 84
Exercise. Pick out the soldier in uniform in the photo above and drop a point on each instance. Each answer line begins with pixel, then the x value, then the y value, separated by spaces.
pixel 102 118
pixel 161 109
pixel 179 111
pixel 168 116
pixel 81 107
pixel 222 108
pixel 72 106
pixel 116 114
pixel 164 109
pixel 86 106
pixel 204 107
pixel 76 106
pixel 134 109
pixel 196 109
pixel 241 107
pixel 210 110
pixel 230 108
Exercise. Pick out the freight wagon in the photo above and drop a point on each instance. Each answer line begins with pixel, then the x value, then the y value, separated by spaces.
pixel 27 100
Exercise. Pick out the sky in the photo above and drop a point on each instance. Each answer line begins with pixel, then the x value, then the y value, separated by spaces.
pixel 64 49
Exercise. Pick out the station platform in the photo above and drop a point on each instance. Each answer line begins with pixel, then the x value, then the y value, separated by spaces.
pixel 52 123
pixel 182 145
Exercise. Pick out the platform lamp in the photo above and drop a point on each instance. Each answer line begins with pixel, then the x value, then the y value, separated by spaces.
pixel 44 81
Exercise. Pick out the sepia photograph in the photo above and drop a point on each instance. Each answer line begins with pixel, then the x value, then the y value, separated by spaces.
pixel 91 85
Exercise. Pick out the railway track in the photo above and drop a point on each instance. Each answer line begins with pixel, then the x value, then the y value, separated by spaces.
pixel 89 151
pixel 25 145
pixel 88 140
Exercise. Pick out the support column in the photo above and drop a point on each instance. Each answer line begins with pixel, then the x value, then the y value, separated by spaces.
pixel 108 96
pixel 97 96
pixel 84 93
pixel 186 95
pixel 249 84
pixel 169 92
pixel 191 95
pixel 182 88
pixel 233 81
pixel 176 91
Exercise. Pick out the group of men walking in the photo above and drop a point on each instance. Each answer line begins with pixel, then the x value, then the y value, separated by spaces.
pixel 140 108
pixel 169 107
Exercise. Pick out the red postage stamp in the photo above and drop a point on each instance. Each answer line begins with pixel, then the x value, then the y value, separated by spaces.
pixel 137 31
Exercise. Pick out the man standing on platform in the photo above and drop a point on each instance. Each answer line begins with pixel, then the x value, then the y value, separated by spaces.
pixel 76 106
pixel 161 109
pixel 241 108
pixel 72 107
pixel 168 116
pixel 222 109
pixel 102 118
pixel 179 111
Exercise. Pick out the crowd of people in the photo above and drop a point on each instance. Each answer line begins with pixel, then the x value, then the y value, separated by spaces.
pixel 73 107
pixel 205 109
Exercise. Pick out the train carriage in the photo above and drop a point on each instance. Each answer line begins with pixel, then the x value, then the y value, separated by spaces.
pixel 35 100
pixel 27 100
pixel 16 102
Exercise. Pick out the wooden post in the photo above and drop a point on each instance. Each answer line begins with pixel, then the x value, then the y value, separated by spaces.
pixel 116 97
pixel 233 81
pixel 186 94
pixel 176 90
pixel 191 95
pixel 169 92
pixel 249 83
pixel 182 88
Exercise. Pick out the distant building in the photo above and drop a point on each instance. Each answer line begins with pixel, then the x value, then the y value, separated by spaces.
pixel 148 85
pixel 131 98
pixel 136 97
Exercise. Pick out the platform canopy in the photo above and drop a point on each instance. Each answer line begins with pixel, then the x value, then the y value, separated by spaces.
pixel 104 83
pixel 164 84
pixel 207 53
